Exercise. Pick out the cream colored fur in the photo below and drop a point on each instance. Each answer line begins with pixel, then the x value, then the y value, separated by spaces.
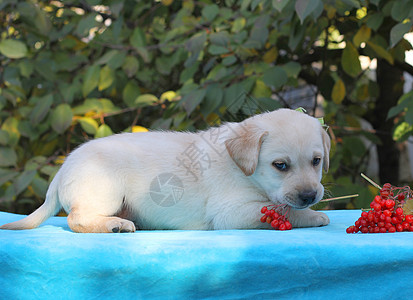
pixel 225 176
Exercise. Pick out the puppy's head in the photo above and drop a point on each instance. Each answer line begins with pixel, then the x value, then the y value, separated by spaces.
pixel 283 153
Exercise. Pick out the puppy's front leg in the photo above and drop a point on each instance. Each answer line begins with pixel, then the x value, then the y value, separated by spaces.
pixel 307 218
pixel 245 216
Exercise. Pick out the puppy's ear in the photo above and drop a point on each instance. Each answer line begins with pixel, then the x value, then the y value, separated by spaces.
pixel 326 146
pixel 244 147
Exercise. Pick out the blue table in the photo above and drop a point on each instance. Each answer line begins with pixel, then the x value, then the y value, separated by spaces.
pixel 52 262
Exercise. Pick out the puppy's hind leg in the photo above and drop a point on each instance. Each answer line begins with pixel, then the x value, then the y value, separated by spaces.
pixel 95 207
pixel 85 222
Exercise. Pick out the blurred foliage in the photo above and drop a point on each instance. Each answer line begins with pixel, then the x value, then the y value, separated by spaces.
pixel 71 71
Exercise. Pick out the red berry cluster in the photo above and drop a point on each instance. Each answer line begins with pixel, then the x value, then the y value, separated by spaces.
pixel 386 214
pixel 274 216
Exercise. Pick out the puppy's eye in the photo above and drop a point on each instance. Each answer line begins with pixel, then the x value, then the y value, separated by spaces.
pixel 316 161
pixel 280 166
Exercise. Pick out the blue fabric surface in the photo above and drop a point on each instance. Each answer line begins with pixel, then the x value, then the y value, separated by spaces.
pixel 51 262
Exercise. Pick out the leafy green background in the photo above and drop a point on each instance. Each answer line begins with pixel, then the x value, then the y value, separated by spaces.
pixel 71 71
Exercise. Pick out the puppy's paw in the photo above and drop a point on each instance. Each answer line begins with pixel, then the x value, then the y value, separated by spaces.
pixel 308 218
pixel 319 219
pixel 120 225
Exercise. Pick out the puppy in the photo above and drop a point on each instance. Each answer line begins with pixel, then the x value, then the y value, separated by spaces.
pixel 210 180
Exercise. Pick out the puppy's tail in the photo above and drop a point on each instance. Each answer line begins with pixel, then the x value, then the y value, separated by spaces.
pixel 49 208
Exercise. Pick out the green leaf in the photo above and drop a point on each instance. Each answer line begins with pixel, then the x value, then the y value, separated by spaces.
pixel 362 35
pixel 268 104
pixel 11 125
pixel 39 186
pixel 41 109
pixel 398 31
pixel 4 137
pixel 192 100
pixel 229 60
pixel 138 38
pixel 103 131
pixel 13 48
pixel 339 91
pixel 117 60
pixel 350 60
pixel 42 21
pixel 275 77
pixel 26 68
pixel 234 97
pixel 209 12
pixel 8 157
pixel 167 96
pixel 402 132
pixel 138 41
pixel 196 43
pixel 61 118
pixel 23 181
pixel 130 93
pixel 6 174
pixel 217 50
pixel 375 20
pixel 85 24
pixel 271 55
pixel 130 66
pixel 381 52
pixel 259 34
pixel 401 9
pixel 292 69
pixel 106 78
pixel 105 58
pixel 146 99
pixel 279 4
pixel 91 80
pixel 213 99
pixel 304 8
pixel 261 90
pixel 219 38
pixel 405 101
pixel 89 125
pixel 238 25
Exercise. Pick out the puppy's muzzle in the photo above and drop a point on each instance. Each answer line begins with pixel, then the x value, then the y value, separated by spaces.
pixel 307 198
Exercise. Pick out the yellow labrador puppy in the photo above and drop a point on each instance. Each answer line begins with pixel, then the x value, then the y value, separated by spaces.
pixel 214 179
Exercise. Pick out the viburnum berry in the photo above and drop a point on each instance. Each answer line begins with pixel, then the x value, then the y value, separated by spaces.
pixel 376 206
pixel 392 229
pixel 288 225
pixel 387 186
pixel 350 229
pixel 276 216
pixel 390 203
pixel 386 213
pixel 399 211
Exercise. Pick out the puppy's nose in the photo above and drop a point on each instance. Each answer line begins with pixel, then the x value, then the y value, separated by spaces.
pixel 307 197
